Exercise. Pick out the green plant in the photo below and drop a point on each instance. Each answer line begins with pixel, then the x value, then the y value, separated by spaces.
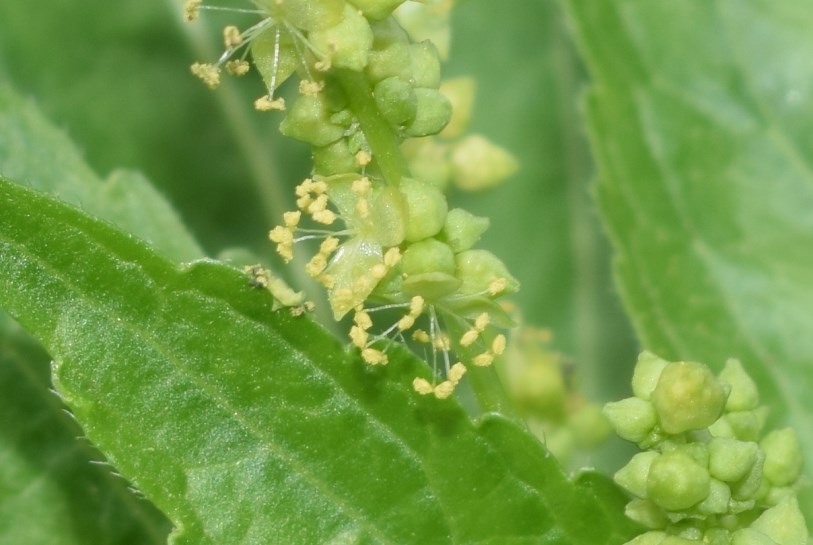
pixel 243 421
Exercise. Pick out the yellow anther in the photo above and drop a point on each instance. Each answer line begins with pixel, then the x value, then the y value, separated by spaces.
pixel 497 286
pixel 310 88
pixel 481 322
pixel 379 271
pixel 316 265
pixel 416 305
pixel 291 219
pixel 327 281
pixel 266 104
pixel 328 245
pixel 442 342
pixel 483 360
pixel 208 73
pixel 318 205
pixel 285 251
pixel 444 389
pixel 322 66
pixel 363 320
pixel 421 336
pixel 363 208
pixel 309 306
pixel 498 344
pixel 456 372
pixel 325 217
pixel 406 322
pixel 392 257
pixel 469 337
pixel 422 386
pixel 358 336
pixel 319 187
pixel 238 67
pixel 363 158
pixel 303 202
pixel 190 10
pixel 304 188
pixel 361 186
pixel 231 37
pixel 374 357
pixel 281 235
pixel 342 299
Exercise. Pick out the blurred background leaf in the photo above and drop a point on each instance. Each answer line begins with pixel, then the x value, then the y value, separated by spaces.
pixel 702 120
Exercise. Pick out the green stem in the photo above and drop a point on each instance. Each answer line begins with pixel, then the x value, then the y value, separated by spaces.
pixel 490 392
pixel 382 139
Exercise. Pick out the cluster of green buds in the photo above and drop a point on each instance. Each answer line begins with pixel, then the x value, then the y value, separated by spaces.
pixel 707 474
pixel 389 242
pixel 543 387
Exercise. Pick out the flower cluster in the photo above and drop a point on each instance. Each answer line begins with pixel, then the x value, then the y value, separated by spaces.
pixel 708 474
pixel 390 247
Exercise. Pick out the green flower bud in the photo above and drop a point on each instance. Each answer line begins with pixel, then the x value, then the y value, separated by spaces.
pixel 428 161
pixel 744 395
pixel 716 503
pixel 388 32
pixel 783 457
pixel 633 476
pixel 747 425
pixel 646 374
pixel 479 164
pixel 716 536
pixel 390 62
pixel 432 114
pixel 730 460
pixel 589 425
pixel 478 269
pixel 632 418
pixel 428 255
pixel 462 229
pixel 308 120
pixel 306 14
pixel 649 538
pixel 347 43
pixel 427 209
pixel 775 495
pixel 334 158
pixel 460 92
pixel 263 50
pixel 747 487
pixel 425 65
pixel 677 482
pixel 646 513
pixel 376 9
pixel 396 100
pixel 537 386
pixel 784 524
pixel 687 397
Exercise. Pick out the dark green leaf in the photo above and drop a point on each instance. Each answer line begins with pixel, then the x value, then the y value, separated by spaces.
pixel 702 124
pixel 247 425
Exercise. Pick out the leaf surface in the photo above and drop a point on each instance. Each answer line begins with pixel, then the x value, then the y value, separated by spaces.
pixel 247 425
pixel 702 124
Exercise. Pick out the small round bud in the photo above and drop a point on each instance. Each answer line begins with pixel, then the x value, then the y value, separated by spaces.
pixel 424 65
pixel 334 158
pixel 479 164
pixel 646 374
pixel 687 397
pixel 632 418
pixel 426 207
pixel 648 514
pixel 633 476
pixel 783 457
pixel 462 229
pixel 676 481
pixel 396 100
pixel 347 43
pixel 479 268
pixel 744 394
pixel 376 9
pixel 433 111
pixel 427 256
pixel 746 488
pixel 716 503
pixel 747 425
pixel 729 459
pixel 784 524
pixel 460 92
pixel 308 121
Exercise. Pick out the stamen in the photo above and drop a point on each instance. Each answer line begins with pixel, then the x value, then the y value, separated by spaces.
pixel 422 386
pixel 232 37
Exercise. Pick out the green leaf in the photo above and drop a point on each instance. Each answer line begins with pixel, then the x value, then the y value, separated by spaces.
pixel 702 126
pixel 50 491
pixel 247 425
pixel 35 152
pixel 543 221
